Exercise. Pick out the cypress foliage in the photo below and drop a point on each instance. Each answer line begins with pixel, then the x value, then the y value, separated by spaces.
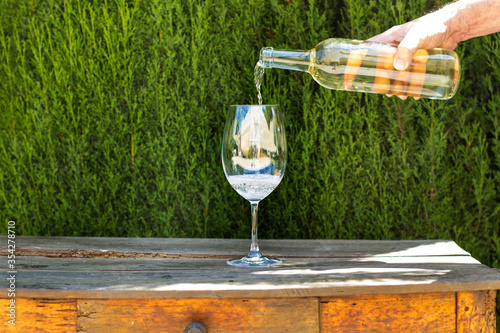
pixel 112 114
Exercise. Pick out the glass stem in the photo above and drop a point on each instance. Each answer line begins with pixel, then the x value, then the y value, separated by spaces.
pixel 254 248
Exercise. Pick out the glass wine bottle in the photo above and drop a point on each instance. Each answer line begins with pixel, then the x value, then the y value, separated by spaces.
pixel 363 66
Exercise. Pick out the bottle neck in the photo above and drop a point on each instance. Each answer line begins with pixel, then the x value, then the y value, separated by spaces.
pixel 285 59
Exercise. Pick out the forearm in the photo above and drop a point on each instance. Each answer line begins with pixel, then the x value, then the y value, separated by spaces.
pixel 473 18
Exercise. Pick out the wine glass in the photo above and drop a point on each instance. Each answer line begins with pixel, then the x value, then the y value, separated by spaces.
pixel 254 160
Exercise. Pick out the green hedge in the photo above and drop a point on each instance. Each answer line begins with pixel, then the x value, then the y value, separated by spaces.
pixel 112 115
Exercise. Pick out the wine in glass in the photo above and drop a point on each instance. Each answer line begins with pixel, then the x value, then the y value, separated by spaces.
pixel 254 159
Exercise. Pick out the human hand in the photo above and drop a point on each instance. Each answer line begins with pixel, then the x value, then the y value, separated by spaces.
pixel 445 28
pixel 427 32
pixel 434 30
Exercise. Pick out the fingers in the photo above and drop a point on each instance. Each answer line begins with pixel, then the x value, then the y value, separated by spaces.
pixel 353 63
pixel 416 82
pixel 400 83
pixel 383 72
pixel 408 40
pixel 411 81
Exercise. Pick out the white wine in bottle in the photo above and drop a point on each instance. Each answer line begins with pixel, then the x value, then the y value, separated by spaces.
pixel 363 66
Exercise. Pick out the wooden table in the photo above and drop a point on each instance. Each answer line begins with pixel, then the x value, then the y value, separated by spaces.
pixel 65 284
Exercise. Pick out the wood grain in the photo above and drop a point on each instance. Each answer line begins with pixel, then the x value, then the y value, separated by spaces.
pixel 39 315
pixel 389 313
pixel 212 278
pixel 476 312
pixel 170 315
pixel 209 248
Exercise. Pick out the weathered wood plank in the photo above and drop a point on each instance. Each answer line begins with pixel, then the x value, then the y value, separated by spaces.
pixel 389 313
pixel 39 315
pixel 213 278
pixel 36 263
pixel 170 315
pixel 207 248
pixel 476 311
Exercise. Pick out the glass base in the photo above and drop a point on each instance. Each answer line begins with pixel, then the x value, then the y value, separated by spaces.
pixel 259 261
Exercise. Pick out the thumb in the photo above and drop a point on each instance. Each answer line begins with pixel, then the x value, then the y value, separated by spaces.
pixel 403 57
pixel 406 49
